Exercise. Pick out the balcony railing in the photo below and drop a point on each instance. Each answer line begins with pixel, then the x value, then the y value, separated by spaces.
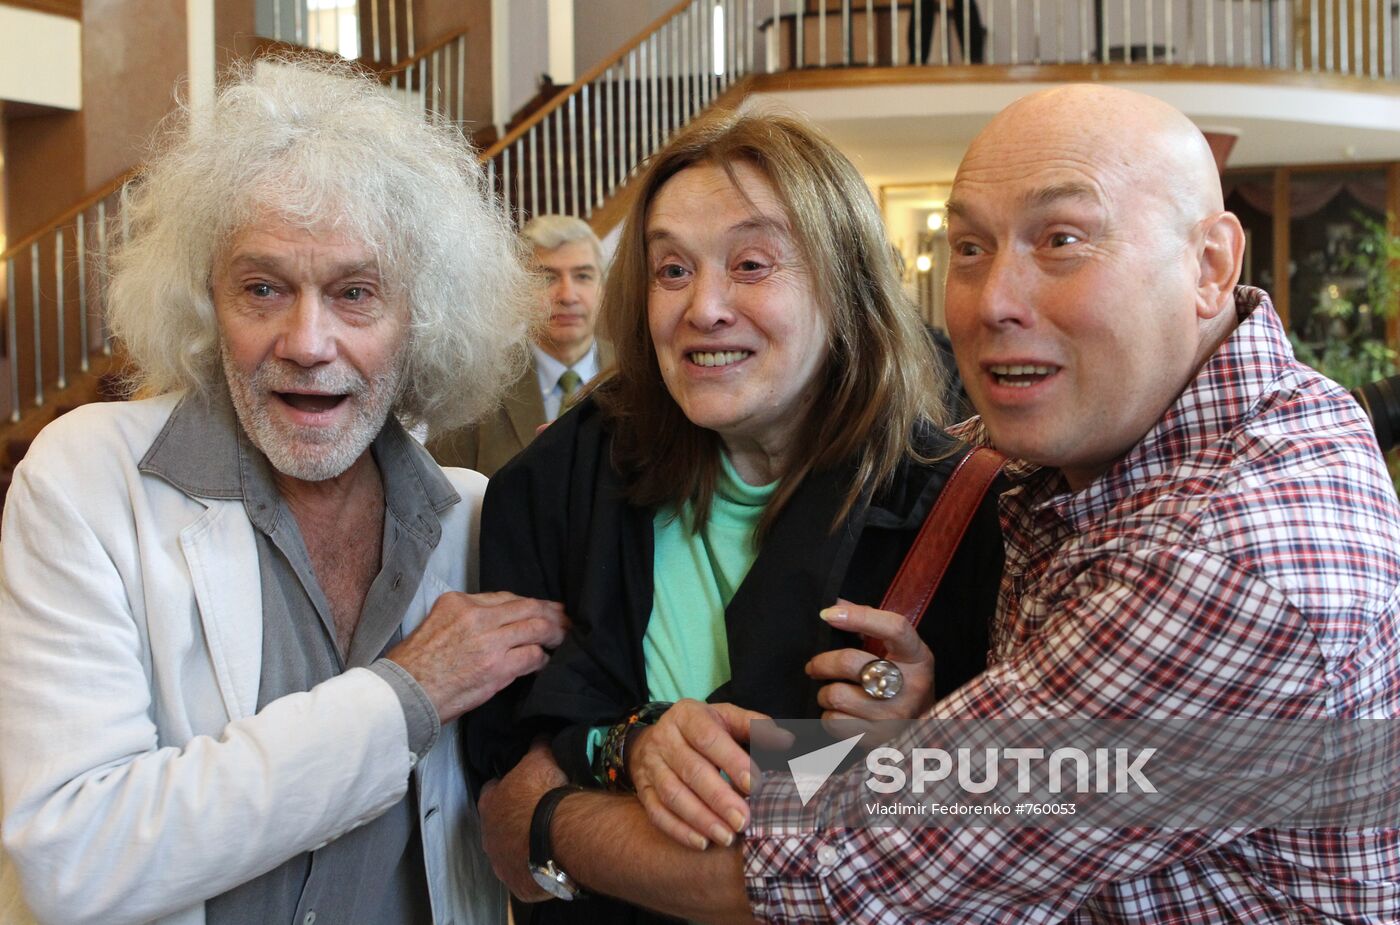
pixel 1348 37
pixel 576 153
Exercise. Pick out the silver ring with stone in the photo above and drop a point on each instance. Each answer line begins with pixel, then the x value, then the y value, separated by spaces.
pixel 881 679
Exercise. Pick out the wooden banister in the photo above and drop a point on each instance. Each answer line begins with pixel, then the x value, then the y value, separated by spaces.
pixel 73 9
pixel 407 63
pixel 263 47
pixel 69 214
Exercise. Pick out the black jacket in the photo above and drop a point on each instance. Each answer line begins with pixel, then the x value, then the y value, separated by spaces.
pixel 555 525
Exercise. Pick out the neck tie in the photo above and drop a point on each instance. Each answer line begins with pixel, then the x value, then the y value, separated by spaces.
pixel 569 381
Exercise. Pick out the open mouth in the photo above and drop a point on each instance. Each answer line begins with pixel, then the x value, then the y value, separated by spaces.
pixel 719 357
pixel 1020 375
pixel 311 404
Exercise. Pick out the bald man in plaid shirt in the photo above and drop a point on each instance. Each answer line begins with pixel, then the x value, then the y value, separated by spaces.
pixel 1197 526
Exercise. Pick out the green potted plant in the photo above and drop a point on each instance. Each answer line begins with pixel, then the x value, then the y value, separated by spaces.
pixel 1344 337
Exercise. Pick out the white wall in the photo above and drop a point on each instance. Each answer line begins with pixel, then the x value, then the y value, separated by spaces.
pixel 199 23
pixel 40 58
pixel 526 29
pixel 561 41
pixel 601 27
pixel 534 37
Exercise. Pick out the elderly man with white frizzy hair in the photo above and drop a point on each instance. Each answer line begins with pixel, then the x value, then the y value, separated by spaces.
pixel 237 620
pixel 411 191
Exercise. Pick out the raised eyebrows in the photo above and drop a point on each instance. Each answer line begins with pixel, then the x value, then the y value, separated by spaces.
pixel 1037 199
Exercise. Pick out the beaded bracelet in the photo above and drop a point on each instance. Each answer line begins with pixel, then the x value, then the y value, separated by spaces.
pixel 610 761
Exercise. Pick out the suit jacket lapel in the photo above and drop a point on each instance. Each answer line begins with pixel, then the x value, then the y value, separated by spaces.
pixel 524 405
pixel 222 556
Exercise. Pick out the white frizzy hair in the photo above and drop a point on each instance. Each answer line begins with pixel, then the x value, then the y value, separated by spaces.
pixel 324 147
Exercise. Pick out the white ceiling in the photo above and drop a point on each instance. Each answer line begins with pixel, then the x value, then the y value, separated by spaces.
pixel 916 133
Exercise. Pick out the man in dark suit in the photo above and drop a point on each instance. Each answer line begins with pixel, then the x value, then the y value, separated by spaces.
pixel 564 354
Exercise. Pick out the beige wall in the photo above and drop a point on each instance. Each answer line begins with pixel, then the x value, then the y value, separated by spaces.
pixel 528 33
pixel 3 225
pixel 436 19
pixel 40 58
pixel 43 169
pixel 134 51
pixel 234 32
pixel 601 27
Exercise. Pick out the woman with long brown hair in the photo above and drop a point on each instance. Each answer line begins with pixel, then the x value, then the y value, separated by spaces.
pixel 767 446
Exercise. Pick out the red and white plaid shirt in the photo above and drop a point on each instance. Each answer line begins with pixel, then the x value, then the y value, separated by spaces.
pixel 1243 559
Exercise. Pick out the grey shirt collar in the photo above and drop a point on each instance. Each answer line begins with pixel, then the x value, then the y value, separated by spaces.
pixel 203 451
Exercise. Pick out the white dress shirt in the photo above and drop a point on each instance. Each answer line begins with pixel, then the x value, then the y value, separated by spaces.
pixel 548 370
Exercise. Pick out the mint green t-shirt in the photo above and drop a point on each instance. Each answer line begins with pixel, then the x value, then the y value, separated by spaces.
pixel 694 577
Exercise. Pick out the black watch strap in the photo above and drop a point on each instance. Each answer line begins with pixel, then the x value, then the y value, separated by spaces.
pixel 541 845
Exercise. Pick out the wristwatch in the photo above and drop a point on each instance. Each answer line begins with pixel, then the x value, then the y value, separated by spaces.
pixel 543 868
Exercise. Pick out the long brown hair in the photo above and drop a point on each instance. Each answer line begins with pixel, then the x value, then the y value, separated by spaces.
pixel 880 377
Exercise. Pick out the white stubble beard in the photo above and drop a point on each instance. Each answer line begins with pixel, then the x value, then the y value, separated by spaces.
pixel 306 453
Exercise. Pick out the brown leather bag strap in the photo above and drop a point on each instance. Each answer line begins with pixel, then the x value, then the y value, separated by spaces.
pixel 943 529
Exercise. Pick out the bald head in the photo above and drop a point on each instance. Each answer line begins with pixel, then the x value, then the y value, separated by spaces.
pixel 1148 144
pixel 1092 272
